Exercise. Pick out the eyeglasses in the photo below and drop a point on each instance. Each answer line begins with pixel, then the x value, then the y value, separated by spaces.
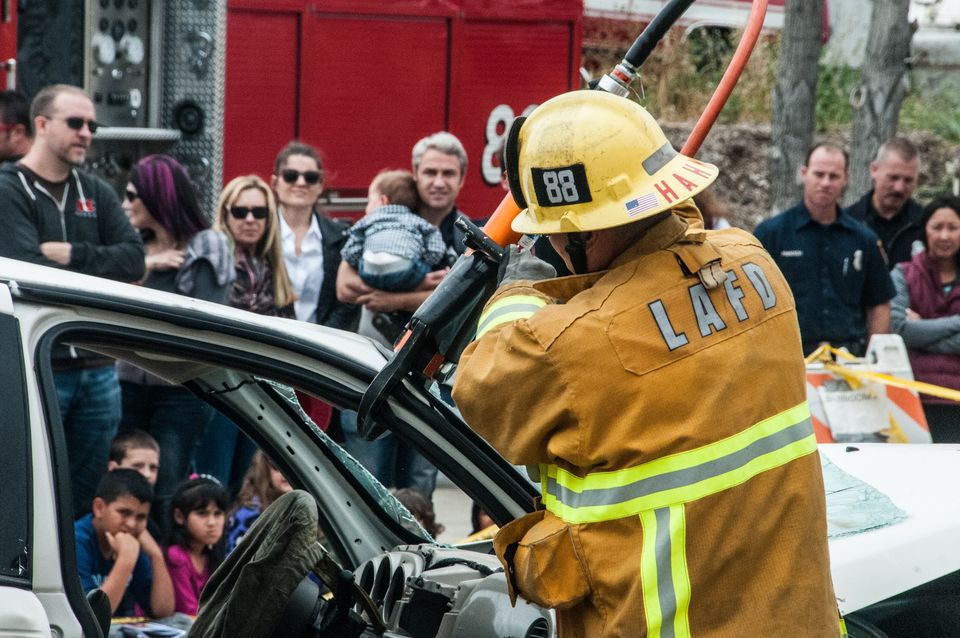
pixel 130 195
pixel 291 176
pixel 241 212
pixel 76 123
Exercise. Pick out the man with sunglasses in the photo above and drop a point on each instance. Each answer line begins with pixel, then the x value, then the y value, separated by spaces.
pixel 56 215
pixel 17 134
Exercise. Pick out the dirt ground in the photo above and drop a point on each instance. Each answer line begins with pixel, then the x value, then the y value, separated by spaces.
pixel 742 151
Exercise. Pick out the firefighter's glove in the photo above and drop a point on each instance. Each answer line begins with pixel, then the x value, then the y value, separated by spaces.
pixel 522 265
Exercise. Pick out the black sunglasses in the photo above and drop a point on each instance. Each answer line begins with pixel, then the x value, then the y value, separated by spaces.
pixel 76 123
pixel 241 212
pixel 291 176
pixel 130 195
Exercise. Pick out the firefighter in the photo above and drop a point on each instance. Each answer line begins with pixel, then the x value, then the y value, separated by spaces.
pixel 657 395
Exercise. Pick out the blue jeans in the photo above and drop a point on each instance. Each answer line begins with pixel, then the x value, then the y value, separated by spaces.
pixel 89 401
pixel 225 452
pixel 399 281
pixel 176 419
pixel 392 461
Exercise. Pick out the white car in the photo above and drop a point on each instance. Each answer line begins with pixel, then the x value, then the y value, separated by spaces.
pixel 245 365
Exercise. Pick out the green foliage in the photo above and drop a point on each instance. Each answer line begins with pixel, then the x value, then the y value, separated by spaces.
pixel 834 86
pixel 939 114
pixel 681 75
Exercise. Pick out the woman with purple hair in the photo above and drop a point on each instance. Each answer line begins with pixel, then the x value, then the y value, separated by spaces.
pixel 183 256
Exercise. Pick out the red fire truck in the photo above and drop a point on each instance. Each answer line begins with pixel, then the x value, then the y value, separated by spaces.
pixel 224 85
pixel 365 80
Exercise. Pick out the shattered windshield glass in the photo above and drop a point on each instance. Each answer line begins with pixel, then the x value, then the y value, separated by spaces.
pixel 390 505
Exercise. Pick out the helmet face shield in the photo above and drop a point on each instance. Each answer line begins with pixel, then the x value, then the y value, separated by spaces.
pixel 588 160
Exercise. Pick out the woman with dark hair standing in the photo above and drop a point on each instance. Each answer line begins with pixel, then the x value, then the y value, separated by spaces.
pixel 247 215
pixel 926 313
pixel 311 241
pixel 311 249
pixel 183 256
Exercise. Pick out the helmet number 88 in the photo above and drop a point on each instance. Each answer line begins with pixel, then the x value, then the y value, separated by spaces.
pixel 560 186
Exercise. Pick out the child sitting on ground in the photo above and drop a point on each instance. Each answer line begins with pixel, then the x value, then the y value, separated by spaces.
pixel 262 485
pixel 421 508
pixel 196 544
pixel 136 450
pixel 392 247
pixel 117 554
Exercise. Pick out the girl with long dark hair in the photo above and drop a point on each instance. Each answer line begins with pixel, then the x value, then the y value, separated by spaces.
pixel 196 544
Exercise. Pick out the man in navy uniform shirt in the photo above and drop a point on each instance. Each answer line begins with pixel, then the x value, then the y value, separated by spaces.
pixel 832 262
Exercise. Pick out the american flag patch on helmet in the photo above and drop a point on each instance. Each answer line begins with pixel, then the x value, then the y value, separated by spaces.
pixel 641 204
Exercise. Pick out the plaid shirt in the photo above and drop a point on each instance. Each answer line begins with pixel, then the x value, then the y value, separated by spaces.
pixel 396 230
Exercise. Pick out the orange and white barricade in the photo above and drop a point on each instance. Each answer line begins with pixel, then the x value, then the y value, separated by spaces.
pixel 873 398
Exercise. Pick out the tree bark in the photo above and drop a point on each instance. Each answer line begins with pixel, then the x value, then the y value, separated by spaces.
pixel 876 100
pixel 794 98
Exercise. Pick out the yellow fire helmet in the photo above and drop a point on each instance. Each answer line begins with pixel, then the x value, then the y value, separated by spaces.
pixel 589 160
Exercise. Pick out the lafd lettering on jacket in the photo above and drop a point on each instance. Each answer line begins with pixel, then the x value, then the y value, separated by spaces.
pixel 689 318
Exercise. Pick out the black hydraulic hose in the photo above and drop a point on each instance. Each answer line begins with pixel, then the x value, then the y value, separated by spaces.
pixel 647 41
pixel 619 79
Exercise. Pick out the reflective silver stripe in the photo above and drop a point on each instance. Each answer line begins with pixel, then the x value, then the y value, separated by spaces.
pixel 680 478
pixel 665 591
pixel 521 308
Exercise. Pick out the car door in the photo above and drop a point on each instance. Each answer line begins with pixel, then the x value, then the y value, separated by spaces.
pixel 21 612
pixel 215 351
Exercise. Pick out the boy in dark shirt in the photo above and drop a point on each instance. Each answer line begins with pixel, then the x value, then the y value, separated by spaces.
pixel 117 554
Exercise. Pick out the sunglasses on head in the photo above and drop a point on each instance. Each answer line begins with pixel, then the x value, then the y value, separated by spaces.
pixel 76 123
pixel 291 176
pixel 240 212
pixel 130 195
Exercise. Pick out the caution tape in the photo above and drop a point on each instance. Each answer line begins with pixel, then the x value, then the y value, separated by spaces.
pixel 830 357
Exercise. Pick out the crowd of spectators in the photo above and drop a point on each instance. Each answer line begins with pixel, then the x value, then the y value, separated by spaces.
pixel 884 264
pixel 134 441
pixel 149 530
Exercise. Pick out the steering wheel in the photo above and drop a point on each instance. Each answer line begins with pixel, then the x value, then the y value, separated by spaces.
pixel 248 594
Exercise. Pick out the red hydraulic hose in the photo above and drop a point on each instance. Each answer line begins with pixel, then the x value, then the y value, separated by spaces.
pixel 498 226
pixel 729 80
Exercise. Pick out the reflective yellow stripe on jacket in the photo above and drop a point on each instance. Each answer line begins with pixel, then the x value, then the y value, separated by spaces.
pixel 682 477
pixel 657 491
pixel 663 572
pixel 510 308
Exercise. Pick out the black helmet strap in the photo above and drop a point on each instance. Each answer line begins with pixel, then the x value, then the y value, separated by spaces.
pixel 577 249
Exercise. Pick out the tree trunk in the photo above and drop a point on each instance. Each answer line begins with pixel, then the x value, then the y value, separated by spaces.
pixel 794 98
pixel 876 100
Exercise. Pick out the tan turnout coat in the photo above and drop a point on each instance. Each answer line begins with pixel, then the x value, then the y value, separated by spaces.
pixel 667 415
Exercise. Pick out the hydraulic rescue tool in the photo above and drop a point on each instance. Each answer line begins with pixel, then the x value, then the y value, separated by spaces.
pixel 446 322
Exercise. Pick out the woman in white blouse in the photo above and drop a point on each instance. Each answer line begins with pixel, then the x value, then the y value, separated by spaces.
pixel 311 241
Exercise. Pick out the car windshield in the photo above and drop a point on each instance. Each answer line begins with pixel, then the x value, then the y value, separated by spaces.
pixel 381 495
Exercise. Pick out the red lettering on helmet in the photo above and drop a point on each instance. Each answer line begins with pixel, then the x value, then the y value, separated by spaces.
pixel 697 171
pixel 684 182
pixel 668 193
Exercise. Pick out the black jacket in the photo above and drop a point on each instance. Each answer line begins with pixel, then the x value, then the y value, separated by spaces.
pixel 897 235
pixel 103 243
pixel 330 311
